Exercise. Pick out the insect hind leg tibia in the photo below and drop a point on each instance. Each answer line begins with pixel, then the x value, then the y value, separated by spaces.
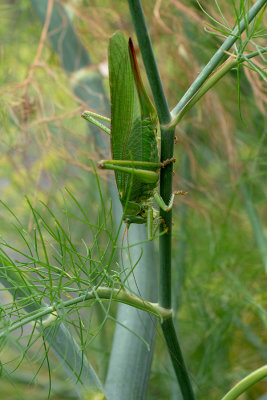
pixel 93 119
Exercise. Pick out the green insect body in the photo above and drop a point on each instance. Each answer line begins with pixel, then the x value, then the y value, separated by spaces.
pixel 133 135
pixel 133 138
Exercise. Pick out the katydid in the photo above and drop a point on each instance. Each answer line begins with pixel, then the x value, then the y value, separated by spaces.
pixel 133 134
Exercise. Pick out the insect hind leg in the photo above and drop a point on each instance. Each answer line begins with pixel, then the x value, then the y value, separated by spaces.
pixel 161 203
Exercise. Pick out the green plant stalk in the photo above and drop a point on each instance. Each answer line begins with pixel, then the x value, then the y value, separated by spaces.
pixel 165 243
pixel 59 338
pixel 246 383
pixel 229 64
pixel 177 359
pixel 216 59
pixel 167 144
pixel 145 45
pixel 103 293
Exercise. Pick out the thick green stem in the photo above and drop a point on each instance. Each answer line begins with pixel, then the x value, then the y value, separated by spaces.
pixel 177 359
pixel 165 240
pixel 165 294
pixel 149 61
pixel 246 383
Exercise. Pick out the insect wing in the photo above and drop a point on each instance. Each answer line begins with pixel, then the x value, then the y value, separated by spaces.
pixel 149 118
pixel 130 138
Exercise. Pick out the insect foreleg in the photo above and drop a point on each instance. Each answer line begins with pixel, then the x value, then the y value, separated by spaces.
pixel 93 119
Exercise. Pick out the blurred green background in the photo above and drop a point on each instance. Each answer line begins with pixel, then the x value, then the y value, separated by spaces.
pixel 219 265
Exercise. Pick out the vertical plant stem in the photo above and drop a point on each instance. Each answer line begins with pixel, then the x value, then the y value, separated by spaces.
pixel 149 61
pixel 167 142
pixel 177 359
